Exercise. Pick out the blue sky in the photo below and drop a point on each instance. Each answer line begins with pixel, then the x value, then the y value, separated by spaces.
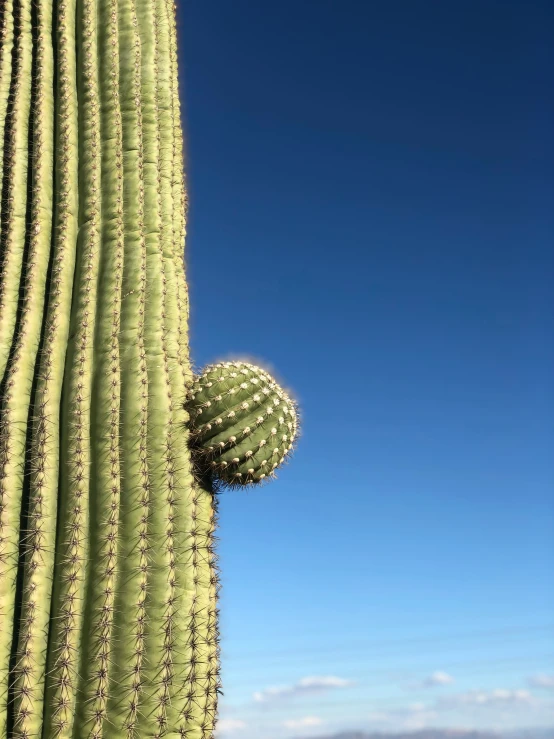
pixel 371 188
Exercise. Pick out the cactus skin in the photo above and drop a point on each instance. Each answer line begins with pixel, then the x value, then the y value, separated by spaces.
pixel 243 425
pixel 108 579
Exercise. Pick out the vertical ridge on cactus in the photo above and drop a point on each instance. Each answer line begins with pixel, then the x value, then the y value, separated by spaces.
pixel 70 422
pixel 6 46
pixel 15 400
pixel 15 168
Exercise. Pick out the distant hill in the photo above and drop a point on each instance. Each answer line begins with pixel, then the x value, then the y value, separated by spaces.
pixel 539 733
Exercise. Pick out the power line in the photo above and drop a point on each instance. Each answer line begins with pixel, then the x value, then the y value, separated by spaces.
pixel 276 656
pixel 421 657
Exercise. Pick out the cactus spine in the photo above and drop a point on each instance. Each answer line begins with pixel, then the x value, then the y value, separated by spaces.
pixel 108 584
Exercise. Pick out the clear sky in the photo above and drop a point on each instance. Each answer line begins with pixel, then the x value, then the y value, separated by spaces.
pixel 372 188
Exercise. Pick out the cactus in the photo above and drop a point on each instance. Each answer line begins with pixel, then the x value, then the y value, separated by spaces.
pixel 108 575
pixel 242 423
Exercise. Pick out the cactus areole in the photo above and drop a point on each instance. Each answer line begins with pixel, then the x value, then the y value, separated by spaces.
pixel 109 446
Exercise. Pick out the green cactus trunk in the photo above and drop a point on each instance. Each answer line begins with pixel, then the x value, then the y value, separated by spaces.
pixel 108 585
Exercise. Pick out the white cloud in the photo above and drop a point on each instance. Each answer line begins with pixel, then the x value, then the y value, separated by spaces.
pixel 229 725
pixel 306 685
pixel 318 683
pixel 508 708
pixel 542 681
pixel 301 723
pixel 488 698
pixel 262 696
pixel 438 678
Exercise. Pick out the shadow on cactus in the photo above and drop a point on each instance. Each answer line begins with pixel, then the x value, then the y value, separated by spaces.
pixel 243 424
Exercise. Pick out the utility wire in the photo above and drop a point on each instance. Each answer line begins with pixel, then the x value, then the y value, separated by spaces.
pixel 378 645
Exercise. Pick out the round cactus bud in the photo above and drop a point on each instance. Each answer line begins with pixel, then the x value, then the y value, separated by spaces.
pixel 243 424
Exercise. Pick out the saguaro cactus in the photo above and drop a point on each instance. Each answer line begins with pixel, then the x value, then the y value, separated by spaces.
pixel 108 582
